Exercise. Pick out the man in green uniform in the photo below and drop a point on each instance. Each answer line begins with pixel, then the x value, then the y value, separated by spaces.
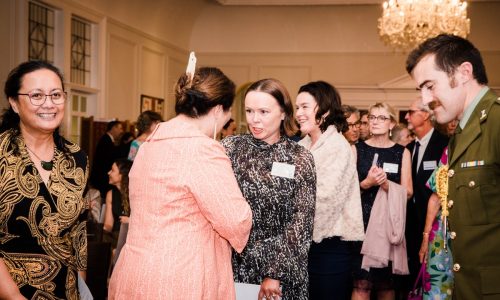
pixel 450 74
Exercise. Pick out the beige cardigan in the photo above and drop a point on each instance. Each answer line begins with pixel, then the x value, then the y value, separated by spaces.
pixel 338 200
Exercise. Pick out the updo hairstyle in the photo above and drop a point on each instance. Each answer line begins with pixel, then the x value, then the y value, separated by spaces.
pixel 208 88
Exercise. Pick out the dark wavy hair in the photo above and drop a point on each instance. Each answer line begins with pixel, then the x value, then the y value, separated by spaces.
pixel 208 88
pixel 451 51
pixel 9 119
pixel 278 91
pixel 124 165
pixel 328 100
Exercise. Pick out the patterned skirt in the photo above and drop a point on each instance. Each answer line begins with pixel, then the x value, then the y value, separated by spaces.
pixel 439 274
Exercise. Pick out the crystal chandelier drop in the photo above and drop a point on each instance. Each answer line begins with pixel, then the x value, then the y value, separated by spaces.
pixel 406 23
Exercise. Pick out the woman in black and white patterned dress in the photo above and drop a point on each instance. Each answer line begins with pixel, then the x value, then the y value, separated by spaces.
pixel 278 179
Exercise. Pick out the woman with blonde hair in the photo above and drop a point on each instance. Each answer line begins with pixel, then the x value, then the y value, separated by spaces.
pixel 379 162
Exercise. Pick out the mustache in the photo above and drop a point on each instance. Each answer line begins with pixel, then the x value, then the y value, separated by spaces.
pixel 434 104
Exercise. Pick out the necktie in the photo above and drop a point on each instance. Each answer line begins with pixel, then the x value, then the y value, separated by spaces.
pixel 414 162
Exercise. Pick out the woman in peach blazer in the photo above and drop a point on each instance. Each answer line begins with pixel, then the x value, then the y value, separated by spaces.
pixel 186 207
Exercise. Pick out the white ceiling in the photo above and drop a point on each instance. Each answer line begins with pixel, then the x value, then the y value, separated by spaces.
pixel 305 2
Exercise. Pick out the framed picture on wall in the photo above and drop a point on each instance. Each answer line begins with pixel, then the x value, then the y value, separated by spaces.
pixel 152 103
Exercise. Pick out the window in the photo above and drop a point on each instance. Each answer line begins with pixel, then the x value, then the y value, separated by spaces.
pixel 80 51
pixel 41 32
pixel 78 111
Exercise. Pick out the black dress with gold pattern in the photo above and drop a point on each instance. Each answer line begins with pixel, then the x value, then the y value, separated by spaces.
pixel 42 227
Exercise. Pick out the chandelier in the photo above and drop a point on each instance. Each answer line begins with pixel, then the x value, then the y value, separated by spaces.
pixel 406 23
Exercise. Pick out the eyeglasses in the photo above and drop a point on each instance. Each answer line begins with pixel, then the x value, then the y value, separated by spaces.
pixel 39 98
pixel 354 125
pixel 380 118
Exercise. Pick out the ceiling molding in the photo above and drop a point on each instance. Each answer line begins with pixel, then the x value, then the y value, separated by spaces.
pixel 306 2
pixel 297 2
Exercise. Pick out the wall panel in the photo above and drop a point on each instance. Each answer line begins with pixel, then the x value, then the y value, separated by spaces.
pixel 122 78
pixel 152 72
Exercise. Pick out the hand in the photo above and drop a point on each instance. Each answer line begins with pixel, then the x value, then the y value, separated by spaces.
pixel 424 249
pixel 124 219
pixel 376 176
pixel 270 289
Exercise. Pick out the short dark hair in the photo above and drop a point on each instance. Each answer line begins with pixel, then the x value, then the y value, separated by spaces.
pixel 146 119
pixel 328 101
pixel 112 124
pixel 14 79
pixel 450 52
pixel 208 88
pixel 278 91
pixel 9 119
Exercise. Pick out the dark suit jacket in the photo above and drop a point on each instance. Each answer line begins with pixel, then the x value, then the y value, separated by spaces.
pixel 421 193
pixel 416 210
pixel 105 154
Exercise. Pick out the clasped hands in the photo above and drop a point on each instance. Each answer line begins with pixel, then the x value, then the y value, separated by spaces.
pixel 377 176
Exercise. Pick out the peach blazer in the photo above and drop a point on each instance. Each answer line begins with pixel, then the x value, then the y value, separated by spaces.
pixel 186 212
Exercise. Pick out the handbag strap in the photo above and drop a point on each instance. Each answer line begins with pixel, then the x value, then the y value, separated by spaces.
pixel 420 277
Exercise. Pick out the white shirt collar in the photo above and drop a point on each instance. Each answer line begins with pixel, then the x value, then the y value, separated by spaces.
pixel 425 140
pixel 112 138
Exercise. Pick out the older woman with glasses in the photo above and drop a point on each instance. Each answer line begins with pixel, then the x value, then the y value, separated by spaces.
pixel 42 236
pixel 379 160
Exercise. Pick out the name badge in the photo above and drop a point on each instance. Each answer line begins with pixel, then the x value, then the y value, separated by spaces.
pixel 390 168
pixel 430 165
pixel 283 170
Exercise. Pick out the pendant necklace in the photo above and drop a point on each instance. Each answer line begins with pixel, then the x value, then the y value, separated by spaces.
pixel 46 165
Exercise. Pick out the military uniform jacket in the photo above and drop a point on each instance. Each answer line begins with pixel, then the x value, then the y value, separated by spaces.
pixel 474 190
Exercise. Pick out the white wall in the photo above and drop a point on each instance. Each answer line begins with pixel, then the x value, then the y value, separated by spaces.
pixel 139 64
pixel 143 47
pixel 338 44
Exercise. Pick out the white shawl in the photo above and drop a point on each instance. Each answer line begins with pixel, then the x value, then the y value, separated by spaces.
pixel 338 200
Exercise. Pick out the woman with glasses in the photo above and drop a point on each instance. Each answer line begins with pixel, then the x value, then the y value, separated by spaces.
pixel 379 160
pixel 43 240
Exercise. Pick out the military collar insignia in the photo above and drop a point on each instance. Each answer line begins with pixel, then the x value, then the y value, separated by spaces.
pixel 483 114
